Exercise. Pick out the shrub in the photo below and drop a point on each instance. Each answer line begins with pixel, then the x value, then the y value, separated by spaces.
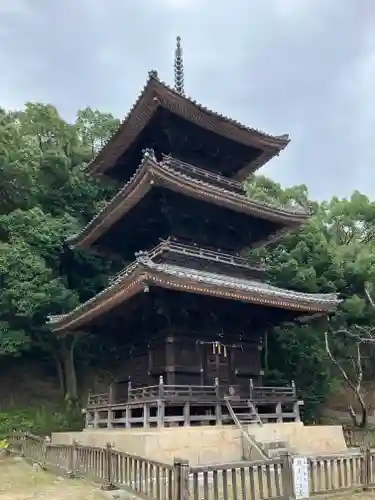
pixel 40 421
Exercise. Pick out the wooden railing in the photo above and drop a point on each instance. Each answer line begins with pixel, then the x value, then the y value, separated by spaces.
pixel 110 467
pixel 212 255
pixel 209 393
pixel 273 479
pixel 144 393
pixel 176 246
pixel 268 393
pixel 205 175
pixel 98 399
pixel 262 480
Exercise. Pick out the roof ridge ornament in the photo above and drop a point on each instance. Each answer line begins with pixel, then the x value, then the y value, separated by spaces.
pixel 148 153
pixel 153 74
pixel 179 68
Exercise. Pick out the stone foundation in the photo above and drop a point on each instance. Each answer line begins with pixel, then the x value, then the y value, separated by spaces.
pixel 205 445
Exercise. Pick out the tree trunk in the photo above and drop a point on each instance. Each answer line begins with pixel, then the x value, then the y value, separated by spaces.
pixel 364 411
pixel 70 376
pixel 60 374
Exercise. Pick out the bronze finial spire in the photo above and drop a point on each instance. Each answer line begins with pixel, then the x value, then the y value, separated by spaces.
pixel 179 68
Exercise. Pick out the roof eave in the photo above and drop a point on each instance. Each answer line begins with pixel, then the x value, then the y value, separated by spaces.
pixel 156 93
pixel 141 277
pixel 140 183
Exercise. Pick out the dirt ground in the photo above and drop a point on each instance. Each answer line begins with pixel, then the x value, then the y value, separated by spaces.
pixel 20 482
pixel 351 496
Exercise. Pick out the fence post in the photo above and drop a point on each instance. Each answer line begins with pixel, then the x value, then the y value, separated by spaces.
pixel 287 476
pixel 109 476
pixel 22 445
pixel 72 460
pixel 366 478
pixel 46 442
pixel 180 479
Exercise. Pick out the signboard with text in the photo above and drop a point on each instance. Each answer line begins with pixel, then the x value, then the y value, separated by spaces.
pixel 301 477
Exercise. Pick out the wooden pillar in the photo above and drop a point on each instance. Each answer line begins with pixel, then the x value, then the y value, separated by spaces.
pixel 96 419
pixel 161 413
pixel 294 389
pixel 161 387
pixel 109 419
pixel 146 415
pixel 187 414
pixel 161 403
pixel 279 413
pixel 170 361
pixel 256 414
pixel 129 390
pixel 127 417
pixel 218 413
pixel 296 405
pixel 296 411
pixel 88 419
pixel 251 389
pixel 150 363
pixel 112 393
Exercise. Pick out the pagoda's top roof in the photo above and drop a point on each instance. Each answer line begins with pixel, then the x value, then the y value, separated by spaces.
pixel 144 273
pixel 194 182
pixel 156 94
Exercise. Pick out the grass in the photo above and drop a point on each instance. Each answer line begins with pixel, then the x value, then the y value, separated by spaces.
pixel 20 482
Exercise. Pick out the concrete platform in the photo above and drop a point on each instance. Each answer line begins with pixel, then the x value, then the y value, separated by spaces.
pixel 203 445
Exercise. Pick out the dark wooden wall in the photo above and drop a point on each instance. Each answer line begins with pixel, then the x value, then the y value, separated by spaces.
pixel 186 361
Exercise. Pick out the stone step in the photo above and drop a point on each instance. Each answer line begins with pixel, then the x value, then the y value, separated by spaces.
pixel 273 444
pixel 246 416
pixel 276 453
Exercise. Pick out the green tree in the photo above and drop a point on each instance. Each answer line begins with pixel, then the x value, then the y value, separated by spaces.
pixel 333 252
pixel 46 197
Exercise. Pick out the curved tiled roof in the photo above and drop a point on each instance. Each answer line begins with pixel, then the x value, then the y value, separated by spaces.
pixel 157 93
pixel 163 174
pixel 145 272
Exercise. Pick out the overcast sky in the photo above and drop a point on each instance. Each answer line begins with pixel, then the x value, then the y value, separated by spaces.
pixel 303 67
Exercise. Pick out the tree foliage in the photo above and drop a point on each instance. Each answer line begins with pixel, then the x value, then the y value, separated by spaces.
pixel 333 252
pixel 46 196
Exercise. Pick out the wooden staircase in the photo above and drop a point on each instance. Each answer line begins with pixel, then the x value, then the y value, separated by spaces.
pixel 266 449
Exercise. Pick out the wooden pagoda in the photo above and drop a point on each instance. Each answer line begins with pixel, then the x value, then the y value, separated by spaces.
pixel 190 311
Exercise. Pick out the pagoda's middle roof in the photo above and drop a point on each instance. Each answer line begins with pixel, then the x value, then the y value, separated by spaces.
pixel 156 94
pixel 144 272
pixel 191 181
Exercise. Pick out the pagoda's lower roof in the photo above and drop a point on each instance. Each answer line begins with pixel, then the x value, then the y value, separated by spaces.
pixel 145 273
pixel 190 181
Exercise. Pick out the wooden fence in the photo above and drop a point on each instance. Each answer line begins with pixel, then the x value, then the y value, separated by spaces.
pixel 359 438
pixel 265 480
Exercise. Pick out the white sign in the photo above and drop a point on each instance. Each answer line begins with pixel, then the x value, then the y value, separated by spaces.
pixel 301 478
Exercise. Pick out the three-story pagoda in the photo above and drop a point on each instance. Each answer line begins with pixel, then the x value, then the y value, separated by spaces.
pixel 191 311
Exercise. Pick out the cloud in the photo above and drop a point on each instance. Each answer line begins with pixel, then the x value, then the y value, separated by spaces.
pixel 284 66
